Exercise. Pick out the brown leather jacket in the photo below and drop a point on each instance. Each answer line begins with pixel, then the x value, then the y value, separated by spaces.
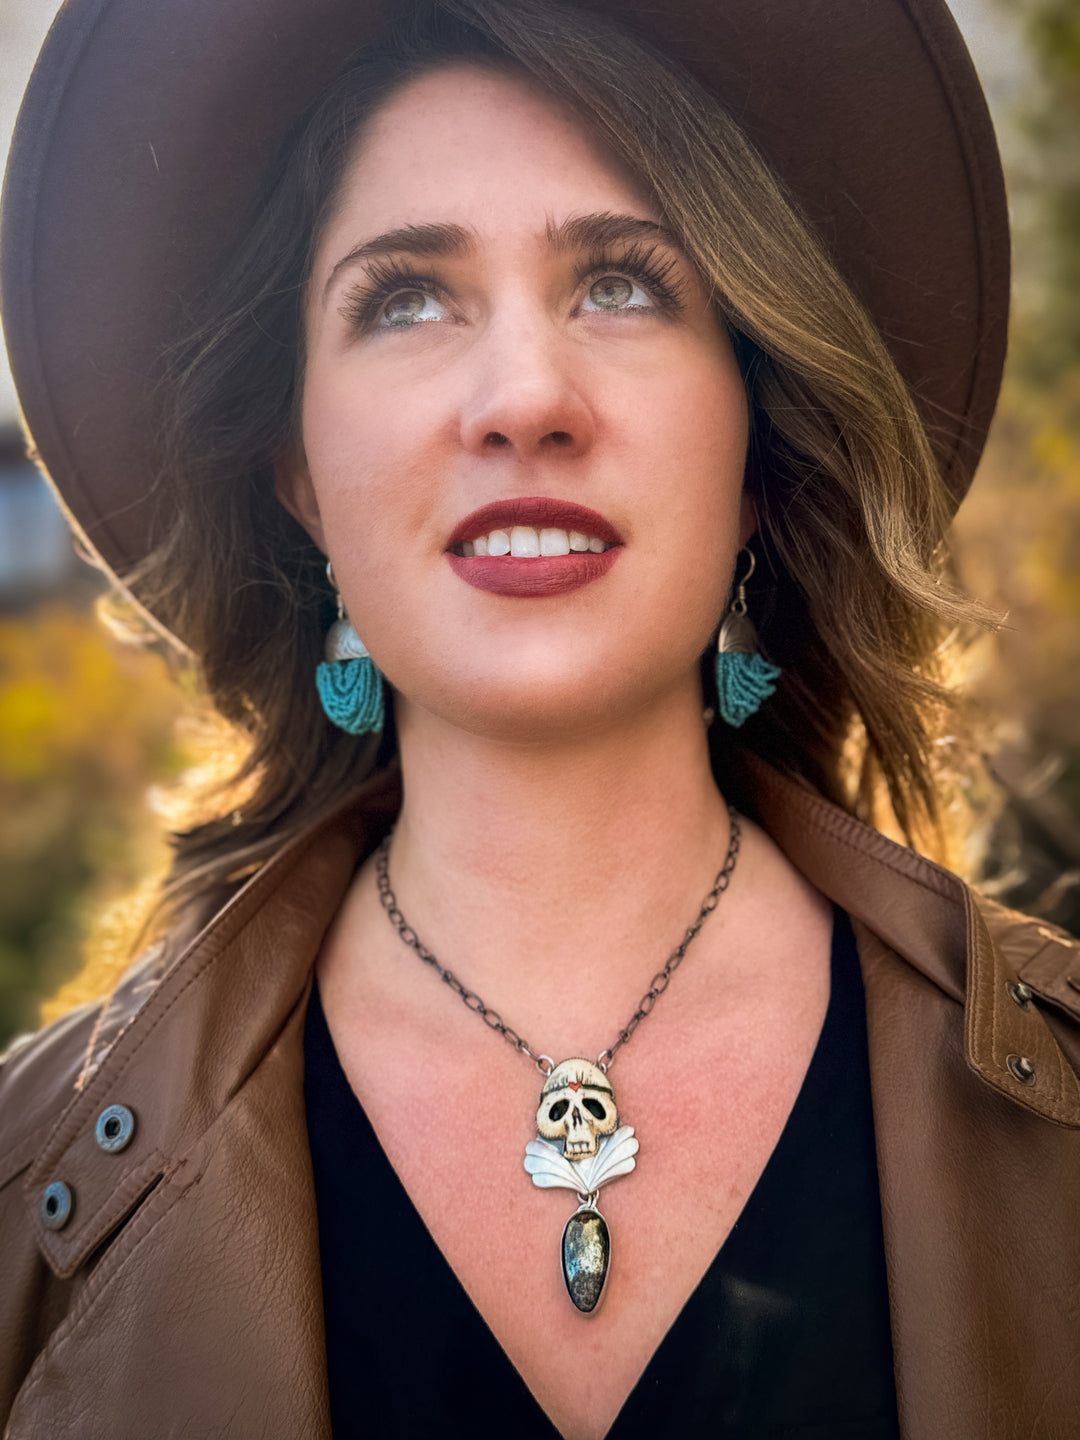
pixel 182 1297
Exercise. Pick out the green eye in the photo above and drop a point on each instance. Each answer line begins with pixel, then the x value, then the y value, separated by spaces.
pixel 411 307
pixel 611 292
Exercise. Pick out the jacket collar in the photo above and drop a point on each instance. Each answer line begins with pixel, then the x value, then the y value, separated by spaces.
pixel 186 1050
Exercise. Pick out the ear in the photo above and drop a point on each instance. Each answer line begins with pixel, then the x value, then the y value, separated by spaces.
pixel 294 490
pixel 748 520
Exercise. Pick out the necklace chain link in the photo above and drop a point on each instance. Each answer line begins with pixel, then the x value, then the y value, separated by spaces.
pixel 659 983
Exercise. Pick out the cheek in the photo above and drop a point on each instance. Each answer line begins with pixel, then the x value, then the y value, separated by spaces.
pixel 368 455
pixel 702 426
pixel 709 412
pixel 699 432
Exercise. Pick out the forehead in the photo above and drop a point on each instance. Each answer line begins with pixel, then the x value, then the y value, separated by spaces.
pixel 479 147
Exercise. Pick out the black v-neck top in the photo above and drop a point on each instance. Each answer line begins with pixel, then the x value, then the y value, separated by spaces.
pixel 785 1338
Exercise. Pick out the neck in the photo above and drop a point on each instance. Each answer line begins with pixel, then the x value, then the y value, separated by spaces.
pixel 515 863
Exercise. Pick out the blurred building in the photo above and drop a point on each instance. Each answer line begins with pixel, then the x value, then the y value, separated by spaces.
pixel 37 557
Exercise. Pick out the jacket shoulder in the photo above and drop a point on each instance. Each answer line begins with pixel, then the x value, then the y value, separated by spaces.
pixel 40 1074
pixel 1043 956
pixel 1022 933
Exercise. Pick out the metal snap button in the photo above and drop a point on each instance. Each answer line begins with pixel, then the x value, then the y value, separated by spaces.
pixel 115 1127
pixel 1020 994
pixel 56 1205
pixel 1022 1068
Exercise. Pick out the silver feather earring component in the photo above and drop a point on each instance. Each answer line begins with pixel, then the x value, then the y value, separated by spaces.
pixel 744 678
pixel 349 682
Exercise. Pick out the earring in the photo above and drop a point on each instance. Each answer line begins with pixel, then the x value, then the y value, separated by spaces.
pixel 744 678
pixel 349 682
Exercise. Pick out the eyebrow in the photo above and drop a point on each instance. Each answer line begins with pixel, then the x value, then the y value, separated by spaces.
pixel 445 241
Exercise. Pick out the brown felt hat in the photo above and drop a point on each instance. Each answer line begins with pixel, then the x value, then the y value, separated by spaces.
pixel 148 123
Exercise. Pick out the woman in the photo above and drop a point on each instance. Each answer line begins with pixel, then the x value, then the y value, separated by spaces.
pixel 524 338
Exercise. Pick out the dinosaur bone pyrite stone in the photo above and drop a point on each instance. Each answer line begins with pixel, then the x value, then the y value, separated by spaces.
pixel 582 1147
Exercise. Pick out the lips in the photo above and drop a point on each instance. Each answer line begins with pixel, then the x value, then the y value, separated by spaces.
pixel 534 576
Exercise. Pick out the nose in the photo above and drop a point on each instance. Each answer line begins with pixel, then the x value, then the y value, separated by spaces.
pixel 526 396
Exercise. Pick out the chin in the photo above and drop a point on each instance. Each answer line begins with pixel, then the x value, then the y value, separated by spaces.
pixel 533 713
pixel 535 706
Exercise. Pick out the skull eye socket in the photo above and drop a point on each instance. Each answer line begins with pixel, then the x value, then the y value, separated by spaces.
pixel 559 1109
pixel 595 1109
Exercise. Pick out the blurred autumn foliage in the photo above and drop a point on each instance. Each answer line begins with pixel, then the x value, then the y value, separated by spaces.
pixel 87 725
pixel 1053 120
pixel 1018 537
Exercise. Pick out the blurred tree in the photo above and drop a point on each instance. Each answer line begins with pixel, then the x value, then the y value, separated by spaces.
pixel 1019 535
pixel 85 725
pixel 1053 30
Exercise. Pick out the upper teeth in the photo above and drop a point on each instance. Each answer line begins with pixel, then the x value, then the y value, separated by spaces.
pixel 527 543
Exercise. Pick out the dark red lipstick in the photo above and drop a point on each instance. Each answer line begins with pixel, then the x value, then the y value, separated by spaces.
pixel 535 576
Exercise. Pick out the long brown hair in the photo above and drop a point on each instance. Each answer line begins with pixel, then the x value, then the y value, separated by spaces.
pixel 849 594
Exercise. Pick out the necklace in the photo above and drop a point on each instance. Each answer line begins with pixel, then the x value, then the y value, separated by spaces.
pixel 580 1146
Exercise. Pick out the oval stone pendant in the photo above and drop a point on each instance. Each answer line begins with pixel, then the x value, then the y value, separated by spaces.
pixel 586 1254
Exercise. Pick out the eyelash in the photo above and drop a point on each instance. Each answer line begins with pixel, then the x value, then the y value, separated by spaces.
pixel 642 263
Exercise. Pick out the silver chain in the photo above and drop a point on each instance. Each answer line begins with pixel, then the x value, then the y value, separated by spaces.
pixel 660 981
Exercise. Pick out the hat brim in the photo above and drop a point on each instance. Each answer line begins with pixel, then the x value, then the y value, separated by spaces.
pixel 147 125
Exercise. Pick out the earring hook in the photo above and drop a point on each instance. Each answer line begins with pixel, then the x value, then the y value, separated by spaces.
pixel 337 592
pixel 753 563
pixel 738 605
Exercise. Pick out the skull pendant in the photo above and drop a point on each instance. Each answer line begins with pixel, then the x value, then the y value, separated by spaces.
pixel 577 1106
pixel 581 1148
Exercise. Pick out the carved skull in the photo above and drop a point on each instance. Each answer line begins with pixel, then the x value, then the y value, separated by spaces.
pixel 577 1105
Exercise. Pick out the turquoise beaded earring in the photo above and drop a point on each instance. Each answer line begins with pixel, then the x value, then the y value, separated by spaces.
pixel 349 682
pixel 744 678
